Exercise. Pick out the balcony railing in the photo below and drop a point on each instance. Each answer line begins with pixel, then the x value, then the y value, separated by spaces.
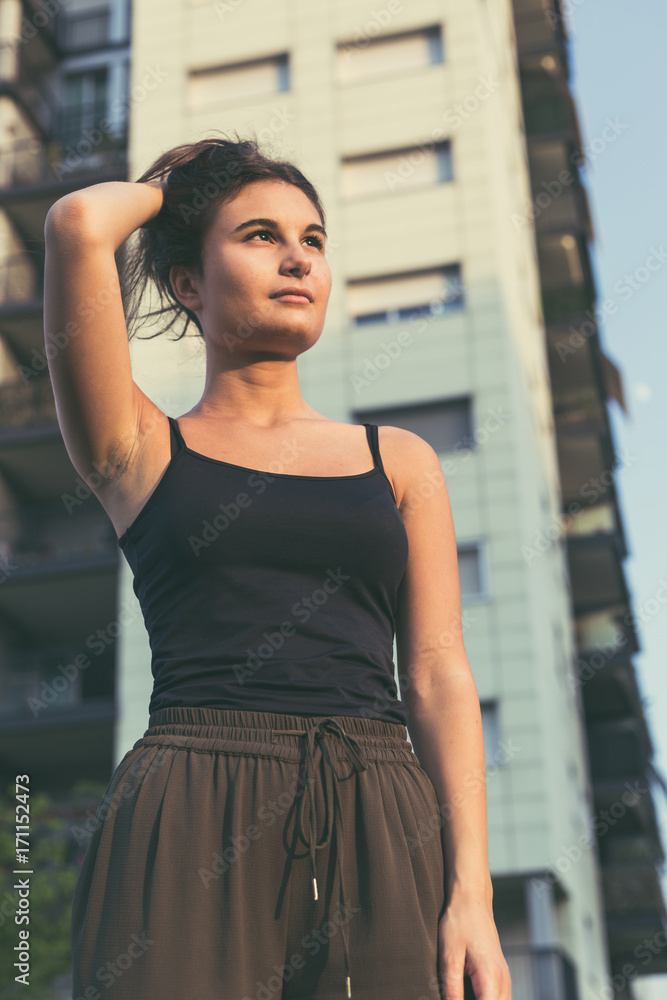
pixel 594 520
pixel 35 161
pixel 53 678
pixel 547 115
pixel 618 750
pixel 36 96
pixel 584 405
pixel 606 630
pixel 539 29
pixel 21 279
pixel 540 973
pixel 84 30
pixel 559 303
pixel 27 404
pixel 42 534
pixel 633 889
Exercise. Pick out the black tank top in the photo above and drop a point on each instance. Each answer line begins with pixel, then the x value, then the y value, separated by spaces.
pixel 268 591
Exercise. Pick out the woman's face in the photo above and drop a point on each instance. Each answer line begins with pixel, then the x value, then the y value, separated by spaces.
pixel 246 263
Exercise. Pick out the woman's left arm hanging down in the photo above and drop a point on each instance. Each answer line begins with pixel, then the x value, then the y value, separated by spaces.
pixel 445 723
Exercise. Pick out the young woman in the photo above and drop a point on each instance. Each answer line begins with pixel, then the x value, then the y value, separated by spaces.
pixel 273 834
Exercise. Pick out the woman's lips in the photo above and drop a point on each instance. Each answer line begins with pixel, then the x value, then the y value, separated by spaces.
pixel 292 298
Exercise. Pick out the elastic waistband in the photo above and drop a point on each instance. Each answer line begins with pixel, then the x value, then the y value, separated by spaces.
pixel 261 733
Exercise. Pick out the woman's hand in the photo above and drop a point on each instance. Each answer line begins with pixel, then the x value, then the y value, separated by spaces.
pixel 468 944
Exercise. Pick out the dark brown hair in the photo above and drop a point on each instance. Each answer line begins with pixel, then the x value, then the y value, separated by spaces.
pixel 201 176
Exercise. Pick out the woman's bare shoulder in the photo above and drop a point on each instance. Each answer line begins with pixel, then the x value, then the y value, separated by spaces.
pixel 408 460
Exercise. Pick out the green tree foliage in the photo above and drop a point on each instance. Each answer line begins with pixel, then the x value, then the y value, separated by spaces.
pixel 55 856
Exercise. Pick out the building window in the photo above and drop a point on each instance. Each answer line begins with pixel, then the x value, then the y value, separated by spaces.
pixel 472 572
pixel 411 167
pixel 491 732
pixel 84 104
pixel 365 58
pixel 403 296
pixel 445 424
pixel 255 78
pixel 84 30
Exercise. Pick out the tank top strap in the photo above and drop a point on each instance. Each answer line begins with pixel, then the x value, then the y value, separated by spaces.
pixel 177 442
pixel 374 445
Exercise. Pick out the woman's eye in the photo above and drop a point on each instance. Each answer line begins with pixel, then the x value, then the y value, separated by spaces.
pixel 319 243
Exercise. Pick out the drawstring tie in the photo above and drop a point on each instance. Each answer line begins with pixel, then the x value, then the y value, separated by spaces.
pixel 318 732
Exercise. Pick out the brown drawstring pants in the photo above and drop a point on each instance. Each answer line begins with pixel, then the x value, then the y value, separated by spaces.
pixel 242 855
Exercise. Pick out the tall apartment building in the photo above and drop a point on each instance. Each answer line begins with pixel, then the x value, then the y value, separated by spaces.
pixel 63 125
pixel 462 308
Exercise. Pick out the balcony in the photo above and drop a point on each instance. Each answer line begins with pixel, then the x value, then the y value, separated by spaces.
pixel 596 572
pixel 39 538
pixel 26 405
pixel 40 684
pixel 23 81
pixel 540 28
pixel 560 203
pixel 21 281
pixel 57 712
pixel 541 973
pixel 560 303
pixel 583 377
pixel 587 465
pixel 36 172
pixel 619 750
pixel 635 910
pixel 600 518
pixel 610 630
pixel 579 407
pixel 84 30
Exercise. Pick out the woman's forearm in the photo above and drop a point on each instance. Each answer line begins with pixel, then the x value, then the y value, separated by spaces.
pixel 110 211
pixel 445 727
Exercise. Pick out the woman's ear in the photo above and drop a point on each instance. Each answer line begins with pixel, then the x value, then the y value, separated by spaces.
pixel 185 287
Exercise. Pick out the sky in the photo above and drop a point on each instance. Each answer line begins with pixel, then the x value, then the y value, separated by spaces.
pixel 617 66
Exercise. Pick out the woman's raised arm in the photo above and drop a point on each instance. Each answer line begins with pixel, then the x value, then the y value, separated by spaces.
pixel 98 403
